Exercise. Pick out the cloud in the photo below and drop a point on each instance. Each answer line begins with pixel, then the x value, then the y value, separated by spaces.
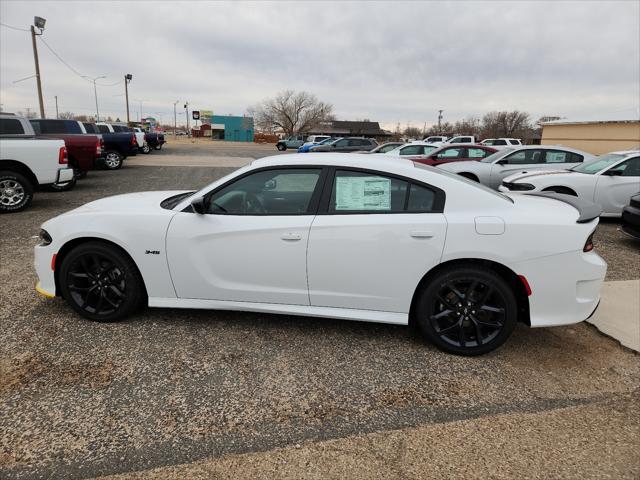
pixel 386 61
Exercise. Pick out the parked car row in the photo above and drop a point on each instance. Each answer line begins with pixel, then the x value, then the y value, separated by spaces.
pixel 54 154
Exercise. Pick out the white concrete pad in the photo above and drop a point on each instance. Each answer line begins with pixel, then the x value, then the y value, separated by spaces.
pixel 619 312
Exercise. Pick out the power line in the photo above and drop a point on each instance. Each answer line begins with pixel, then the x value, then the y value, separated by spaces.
pixel 61 59
pixel 119 82
pixel 14 28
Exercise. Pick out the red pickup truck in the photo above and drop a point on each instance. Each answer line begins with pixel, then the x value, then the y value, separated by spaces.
pixel 83 150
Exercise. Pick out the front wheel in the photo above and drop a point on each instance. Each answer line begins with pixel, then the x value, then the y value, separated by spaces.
pixel 16 191
pixel 100 282
pixel 281 147
pixel 113 160
pixel 146 148
pixel 467 310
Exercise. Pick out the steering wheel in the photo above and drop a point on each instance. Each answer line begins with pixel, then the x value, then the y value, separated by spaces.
pixel 252 204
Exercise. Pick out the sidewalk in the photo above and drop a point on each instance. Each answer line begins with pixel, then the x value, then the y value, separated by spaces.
pixel 619 312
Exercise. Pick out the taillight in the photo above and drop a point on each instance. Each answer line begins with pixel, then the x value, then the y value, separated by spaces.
pixel 62 156
pixel 99 144
pixel 133 140
pixel 588 246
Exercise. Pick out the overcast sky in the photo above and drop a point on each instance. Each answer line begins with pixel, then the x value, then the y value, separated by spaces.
pixel 386 61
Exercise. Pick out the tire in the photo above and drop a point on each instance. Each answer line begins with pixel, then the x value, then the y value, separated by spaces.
pixel 470 176
pixel 565 190
pixel 16 191
pixel 281 147
pixel 63 187
pixel 146 149
pixel 100 282
pixel 481 305
pixel 113 160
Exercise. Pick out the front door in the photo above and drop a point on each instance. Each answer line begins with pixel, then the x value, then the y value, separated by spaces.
pixel 615 186
pixel 377 238
pixel 251 244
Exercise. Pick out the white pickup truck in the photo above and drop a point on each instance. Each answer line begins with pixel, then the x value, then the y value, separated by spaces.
pixel 27 163
pixel 141 138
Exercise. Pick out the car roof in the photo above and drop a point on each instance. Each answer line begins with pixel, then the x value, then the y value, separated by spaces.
pixel 626 152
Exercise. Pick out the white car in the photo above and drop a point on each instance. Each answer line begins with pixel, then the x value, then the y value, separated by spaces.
pixel 501 142
pixel 435 139
pixel 315 139
pixel 413 151
pixel 609 181
pixel 491 170
pixel 339 236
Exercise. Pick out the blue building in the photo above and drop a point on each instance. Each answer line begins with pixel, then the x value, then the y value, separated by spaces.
pixel 231 129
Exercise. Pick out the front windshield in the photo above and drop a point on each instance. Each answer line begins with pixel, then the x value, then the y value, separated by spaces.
pixel 594 166
pixel 495 156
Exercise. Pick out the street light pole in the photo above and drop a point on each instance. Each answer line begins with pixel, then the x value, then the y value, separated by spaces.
pixel 38 22
pixel 56 97
pixel 440 122
pixel 127 79
pixel 186 113
pixel 95 93
pixel 175 118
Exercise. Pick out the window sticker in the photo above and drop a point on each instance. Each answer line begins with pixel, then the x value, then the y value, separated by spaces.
pixel 363 193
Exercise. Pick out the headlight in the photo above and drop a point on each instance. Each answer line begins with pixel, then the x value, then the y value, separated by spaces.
pixel 45 238
pixel 518 187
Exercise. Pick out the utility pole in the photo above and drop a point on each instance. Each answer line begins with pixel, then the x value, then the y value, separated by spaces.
pixel 175 118
pixel 127 79
pixel 56 97
pixel 440 122
pixel 186 113
pixel 38 22
pixel 95 93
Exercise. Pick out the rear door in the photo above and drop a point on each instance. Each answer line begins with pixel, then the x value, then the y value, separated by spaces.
pixel 373 239
pixel 615 186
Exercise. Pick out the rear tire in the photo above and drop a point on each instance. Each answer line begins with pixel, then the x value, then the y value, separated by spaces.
pixel 100 282
pixel 113 160
pixel 281 147
pixel 16 191
pixel 146 149
pixel 467 310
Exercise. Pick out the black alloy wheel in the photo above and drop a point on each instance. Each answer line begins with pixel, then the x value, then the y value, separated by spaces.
pixel 100 282
pixel 467 311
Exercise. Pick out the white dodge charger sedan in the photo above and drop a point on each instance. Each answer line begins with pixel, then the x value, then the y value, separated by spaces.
pixel 491 170
pixel 334 235
pixel 609 181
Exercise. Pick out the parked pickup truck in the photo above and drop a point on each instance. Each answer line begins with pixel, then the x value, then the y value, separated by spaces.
pixel 84 150
pixel 141 139
pixel 117 146
pixel 27 163
pixel 154 139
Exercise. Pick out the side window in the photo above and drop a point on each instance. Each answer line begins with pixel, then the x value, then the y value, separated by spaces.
pixel 451 153
pixel 499 142
pixel 71 126
pixel 524 157
pixel 388 148
pixel 515 142
pixel 411 150
pixel 465 140
pixel 89 128
pixel 268 192
pixel 103 128
pixel 355 142
pixel 630 168
pixel 52 126
pixel 576 158
pixel 366 192
pixel 10 126
pixel 476 153
pixel 421 199
pixel 556 156
pixel 342 143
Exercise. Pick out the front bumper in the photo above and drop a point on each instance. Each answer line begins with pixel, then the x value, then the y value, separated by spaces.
pixel 64 175
pixel 43 262
pixel 565 288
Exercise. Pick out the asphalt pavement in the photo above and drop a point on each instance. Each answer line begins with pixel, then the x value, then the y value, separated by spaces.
pixel 171 391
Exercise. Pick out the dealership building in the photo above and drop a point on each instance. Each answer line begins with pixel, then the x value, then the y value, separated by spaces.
pixel 595 135
pixel 226 127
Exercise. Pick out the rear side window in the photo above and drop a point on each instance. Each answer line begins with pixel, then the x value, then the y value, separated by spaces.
pixel 476 153
pixel 524 157
pixel 412 150
pixel 72 126
pixel 499 142
pixel 103 128
pixel 90 128
pixel 11 126
pixel 364 192
pixel 514 142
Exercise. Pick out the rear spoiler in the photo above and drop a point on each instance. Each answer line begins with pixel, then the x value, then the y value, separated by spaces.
pixel 587 210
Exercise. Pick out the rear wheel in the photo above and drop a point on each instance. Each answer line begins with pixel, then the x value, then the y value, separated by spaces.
pixel 100 282
pixel 112 160
pixel 281 147
pixel 146 148
pixel 467 310
pixel 16 191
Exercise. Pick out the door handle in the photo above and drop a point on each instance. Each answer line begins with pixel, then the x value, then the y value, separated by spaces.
pixel 421 234
pixel 291 237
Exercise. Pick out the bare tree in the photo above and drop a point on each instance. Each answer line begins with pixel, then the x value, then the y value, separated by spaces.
pixel 67 116
pixel 468 126
pixel 412 132
pixel 291 111
pixel 505 124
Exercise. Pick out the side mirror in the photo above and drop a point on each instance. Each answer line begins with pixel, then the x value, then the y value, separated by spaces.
pixel 270 184
pixel 197 204
pixel 502 161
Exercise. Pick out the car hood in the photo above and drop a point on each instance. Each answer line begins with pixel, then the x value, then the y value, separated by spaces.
pixel 536 174
pixel 140 202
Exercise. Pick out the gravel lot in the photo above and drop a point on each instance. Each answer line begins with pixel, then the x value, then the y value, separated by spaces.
pixel 81 399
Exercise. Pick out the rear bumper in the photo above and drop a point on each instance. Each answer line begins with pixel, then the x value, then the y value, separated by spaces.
pixel 64 175
pixel 565 288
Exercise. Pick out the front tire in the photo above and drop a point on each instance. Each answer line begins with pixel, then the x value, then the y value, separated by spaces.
pixel 281 147
pixel 16 191
pixel 100 282
pixel 146 149
pixel 467 310
pixel 113 160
